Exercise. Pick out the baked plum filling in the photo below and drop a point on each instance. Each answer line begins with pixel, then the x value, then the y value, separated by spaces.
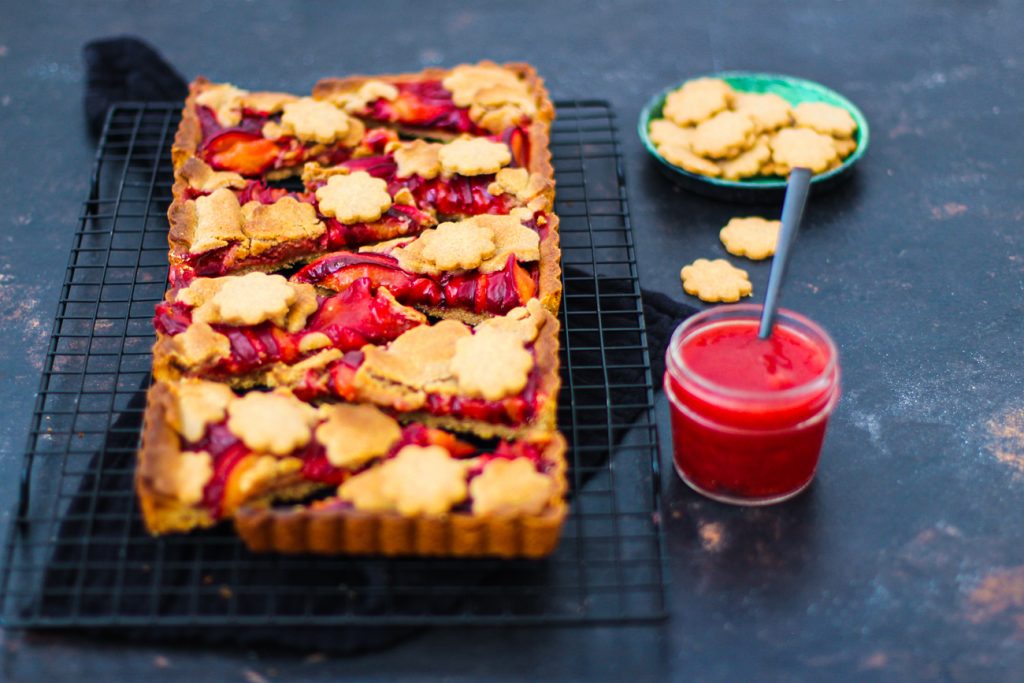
pixel 456 196
pixel 450 196
pixel 338 271
pixel 350 319
pixel 398 221
pixel 243 149
pixel 426 105
pixel 339 380
pixel 485 293
pixel 231 459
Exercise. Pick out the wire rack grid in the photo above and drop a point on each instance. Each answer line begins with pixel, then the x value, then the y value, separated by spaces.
pixel 77 554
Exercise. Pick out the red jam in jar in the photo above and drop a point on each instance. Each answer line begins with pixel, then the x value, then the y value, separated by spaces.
pixel 749 415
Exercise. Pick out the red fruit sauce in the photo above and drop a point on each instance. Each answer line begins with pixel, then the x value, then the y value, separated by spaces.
pixel 496 293
pixel 749 415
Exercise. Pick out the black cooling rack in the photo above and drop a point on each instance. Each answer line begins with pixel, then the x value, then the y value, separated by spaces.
pixel 78 555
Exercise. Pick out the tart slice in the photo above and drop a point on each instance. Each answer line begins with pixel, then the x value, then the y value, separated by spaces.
pixel 499 379
pixel 268 134
pixel 464 177
pixel 223 223
pixel 467 270
pixel 236 328
pixel 478 99
pixel 207 453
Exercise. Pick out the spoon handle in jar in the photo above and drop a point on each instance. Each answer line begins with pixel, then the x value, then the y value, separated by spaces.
pixel 792 212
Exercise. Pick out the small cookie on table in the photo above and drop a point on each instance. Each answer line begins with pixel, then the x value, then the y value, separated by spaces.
pixel 715 281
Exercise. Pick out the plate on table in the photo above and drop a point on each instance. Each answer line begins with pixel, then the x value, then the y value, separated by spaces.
pixel 758 188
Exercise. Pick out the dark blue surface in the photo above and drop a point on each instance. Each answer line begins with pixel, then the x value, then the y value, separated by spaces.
pixel 905 560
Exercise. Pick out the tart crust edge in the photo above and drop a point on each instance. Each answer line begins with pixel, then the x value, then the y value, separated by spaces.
pixel 346 531
pixel 189 134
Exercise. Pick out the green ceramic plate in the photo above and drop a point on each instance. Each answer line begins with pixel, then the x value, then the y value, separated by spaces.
pixel 794 91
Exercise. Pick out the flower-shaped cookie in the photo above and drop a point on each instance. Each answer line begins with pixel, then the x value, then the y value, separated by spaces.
pixel 315 121
pixel 275 423
pixel 423 480
pixel 825 118
pixel 697 100
pixel 844 146
pixel 366 491
pixel 723 136
pixel 481 243
pixel 418 157
pixel 250 299
pixel 354 198
pixel 474 156
pixel 716 280
pixel 462 244
pixel 768 111
pixel 510 237
pixel 355 434
pixel 510 487
pixel 500 107
pixel 802 147
pixel 753 237
pixel 492 363
pixel 528 188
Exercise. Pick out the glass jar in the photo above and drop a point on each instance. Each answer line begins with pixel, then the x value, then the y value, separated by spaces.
pixel 749 415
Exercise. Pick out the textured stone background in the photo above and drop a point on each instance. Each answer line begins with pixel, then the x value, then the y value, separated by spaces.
pixel 905 561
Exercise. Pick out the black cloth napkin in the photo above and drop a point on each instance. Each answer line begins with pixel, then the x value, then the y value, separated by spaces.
pixel 127 69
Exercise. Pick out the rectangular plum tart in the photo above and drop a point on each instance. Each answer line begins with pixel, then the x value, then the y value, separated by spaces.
pixel 364 359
